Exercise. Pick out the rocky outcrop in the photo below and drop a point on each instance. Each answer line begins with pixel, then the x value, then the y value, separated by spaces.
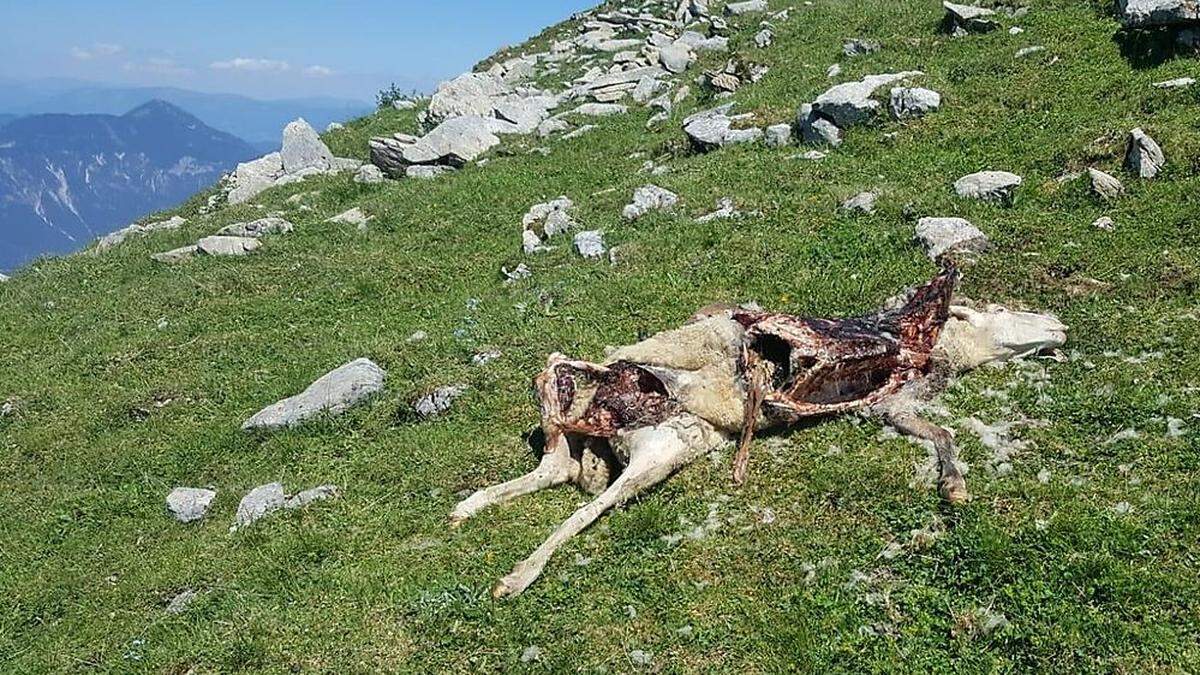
pixel 1143 13
pixel 116 238
pixel 711 129
pixel 303 154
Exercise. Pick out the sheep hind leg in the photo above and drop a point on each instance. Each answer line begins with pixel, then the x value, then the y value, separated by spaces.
pixel 556 468
pixel 951 485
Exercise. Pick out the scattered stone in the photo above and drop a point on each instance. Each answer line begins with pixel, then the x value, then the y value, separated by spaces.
pixel 649 198
pixel 332 394
pixel 1122 508
pixel 906 102
pixel 404 104
pixel 833 71
pixel 546 220
pixel 189 504
pixel 113 239
pixel 311 495
pixel 850 103
pixel 176 255
pixel 1142 155
pixel 485 357
pixel 1104 223
pixel 303 149
pixel 438 401
pixel 179 603
pixel 725 209
pixel 863 202
pixel 748 7
pixel 600 109
pixel 992 186
pixel 857 47
pixel 778 135
pixel 232 246
pixel 764 38
pixel 950 235
pixel 532 653
pixel 368 174
pixel 711 129
pixel 427 171
pixel 676 57
pixel 813 155
pixel 257 228
pixel 590 244
pixel 1143 13
pixel 266 499
pixel 963 19
pixel 417 336
pixel 1016 30
pixel 638 657
pixel 1175 83
pixel 354 216
pixel 251 178
pixel 1105 185
pixel 1026 51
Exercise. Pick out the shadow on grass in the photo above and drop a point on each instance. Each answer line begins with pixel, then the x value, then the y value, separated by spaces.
pixel 1147 48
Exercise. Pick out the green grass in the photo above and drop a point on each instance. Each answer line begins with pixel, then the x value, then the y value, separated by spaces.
pixel 377 582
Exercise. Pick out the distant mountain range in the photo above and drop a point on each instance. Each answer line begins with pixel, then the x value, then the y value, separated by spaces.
pixel 257 122
pixel 68 179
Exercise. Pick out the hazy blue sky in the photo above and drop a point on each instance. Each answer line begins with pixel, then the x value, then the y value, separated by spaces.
pixel 264 48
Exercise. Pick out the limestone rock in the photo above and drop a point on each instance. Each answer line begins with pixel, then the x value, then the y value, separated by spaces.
pixel 973 338
pixel 863 202
pixel 468 94
pixel 590 244
pixel 858 47
pixel 231 246
pixel 439 400
pixel 649 198
pixel 676 57
pixel 189 504
pixel 257 228
pixel 552 126
pixel 1104 185
pixel 1176 83
pixel 115 238
pixel 303 149
pixel 177 255
pixel 267 499
pixel 1142 155
pixel 332 394
pixel 725 209
pixel 368 174
pixel 993 186
pixel 354 216
pixel 850 103
pixel 747 7
pixel 1142 13
pixel 948 235
pixel 548 220
pixel 764 38
pixel 963 19
pixel 817 129
pixel 711 129
pixel 906 102
pixel 600 109
pixel 251 178
pixel 427 171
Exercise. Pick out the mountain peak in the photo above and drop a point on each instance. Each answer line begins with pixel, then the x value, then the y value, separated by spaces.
pixel 157 107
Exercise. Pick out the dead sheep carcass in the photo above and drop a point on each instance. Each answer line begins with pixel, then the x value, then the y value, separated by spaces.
pixel 621 426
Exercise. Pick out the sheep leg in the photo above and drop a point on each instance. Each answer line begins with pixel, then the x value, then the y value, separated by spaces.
pixel 951 485
pixel 556 468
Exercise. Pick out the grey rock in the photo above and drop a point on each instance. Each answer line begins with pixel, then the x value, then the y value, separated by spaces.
pixel 550 218
pixel 1026 51
pixel 725 209
pixel 747 7
pixel 518 273
pixel 992 186
pixel 857 47
pixel 455 142
pixel 778 135
pixel 260 501
pixel 227 246
pixel 641 658
pixel 530 654
pixel 426 171
pixel 963 19
pixel 600 109
pixel 1141 13
pixel 368 174
pixel 257 228
pixel 833 71
pixel 1104 185
pixel 579 132
pixel 468 94
pixel 115 238
pixel 526 114
pixel 354 216
pixel 181 601
pixel 1104 223
pixel 711 129
pixel 189 504
pixel 646 89
pixel 311 495
pixel 906 102
pixel 1176 83
pixel 850 103
pixel 701 43
pixel 946 235
pixel 439 400
pixel 863 202
pixel 649 198
pixel 764 38
pixel 177 255
pixel 1143 156
pixel 303 149
pixel 4 278
pixel 816 129
pixel 676 57
pixel 552 126
pixel 332 394
pixel 590 244
pixel 251 178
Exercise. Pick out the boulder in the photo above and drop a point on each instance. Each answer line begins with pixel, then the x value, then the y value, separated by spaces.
pixel 950 235
pixel 266 499
pixel 1104 185
pixel 467 94
pixel 817 129
pixel 973 338
pixel 303 149
pixel 649 198
pixel 230 246
pixel 778 135
pixel 1143 156
pixel 963 19
pixel 747 7
pixel 992 186
pixel 711 129
pixel 115 238
pixel 590 244
pixel 177 255
pixel 189 504
pixel 257 228
pixel 368 174
pixel 251 178
pixel 676 57
pixel 906 102
pixel 1143 13
pixel 850 103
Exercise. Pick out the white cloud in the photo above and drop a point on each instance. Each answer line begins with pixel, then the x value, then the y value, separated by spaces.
pixel 318 71
pixel 96 51
pixel 251 65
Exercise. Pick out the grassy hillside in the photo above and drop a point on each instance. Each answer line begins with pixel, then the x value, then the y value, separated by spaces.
pixel 128 378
